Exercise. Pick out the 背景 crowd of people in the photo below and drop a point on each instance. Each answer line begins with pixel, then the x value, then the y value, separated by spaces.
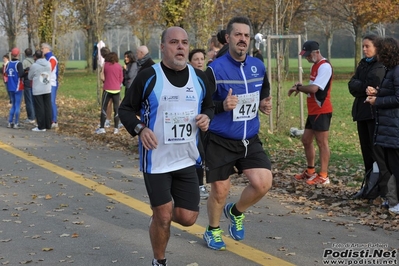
pixel 32 80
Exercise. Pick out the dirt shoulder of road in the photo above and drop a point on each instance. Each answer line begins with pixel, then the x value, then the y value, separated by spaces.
pixel 80 119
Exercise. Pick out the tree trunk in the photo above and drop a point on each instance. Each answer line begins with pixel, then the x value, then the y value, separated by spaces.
pixel 279 58
pixel 286 56
pixel 12 42
pixel 89 49
pixel 45 23
pixel 329 44
pixel 358 45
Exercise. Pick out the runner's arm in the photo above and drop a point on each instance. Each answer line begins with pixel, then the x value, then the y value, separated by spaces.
pixel 132 102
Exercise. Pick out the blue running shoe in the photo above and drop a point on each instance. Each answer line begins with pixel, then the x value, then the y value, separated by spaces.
pixel 213 239
pixel 236 227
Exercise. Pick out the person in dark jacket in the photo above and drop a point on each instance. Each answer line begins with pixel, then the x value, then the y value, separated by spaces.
pixel 28 96
pixel 257 53
pixel 222 40
pixel 369 72
pixel 386 100
pixel 143 58
pixel 129 69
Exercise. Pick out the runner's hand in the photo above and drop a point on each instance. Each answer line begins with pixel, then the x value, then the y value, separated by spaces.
pixel 292 90
pixel 202 122
pixel 266 105
pixel 148 139
pixel 230 102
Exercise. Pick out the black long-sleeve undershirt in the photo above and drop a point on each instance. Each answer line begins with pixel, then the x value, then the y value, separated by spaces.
pixel 132 103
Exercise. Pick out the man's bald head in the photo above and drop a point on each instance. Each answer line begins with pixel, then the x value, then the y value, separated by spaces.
pixel 141 51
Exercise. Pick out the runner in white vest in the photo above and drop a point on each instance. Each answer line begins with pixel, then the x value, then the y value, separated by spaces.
pixel 173 102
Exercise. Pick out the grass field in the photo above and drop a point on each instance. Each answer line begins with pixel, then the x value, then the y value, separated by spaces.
pixel 341 65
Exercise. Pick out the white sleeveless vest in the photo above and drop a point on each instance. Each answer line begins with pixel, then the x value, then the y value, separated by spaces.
pixel 171 116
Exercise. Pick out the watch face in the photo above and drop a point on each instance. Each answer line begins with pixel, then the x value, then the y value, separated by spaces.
pixel 138 128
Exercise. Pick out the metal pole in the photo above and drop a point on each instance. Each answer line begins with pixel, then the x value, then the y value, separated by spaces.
pixel 98 55
pixel 300 71
pixel 269 76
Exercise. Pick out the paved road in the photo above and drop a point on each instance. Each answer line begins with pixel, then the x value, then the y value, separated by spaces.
pixel 64 201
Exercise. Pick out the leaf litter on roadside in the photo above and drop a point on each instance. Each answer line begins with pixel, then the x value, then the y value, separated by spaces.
pixel 335 199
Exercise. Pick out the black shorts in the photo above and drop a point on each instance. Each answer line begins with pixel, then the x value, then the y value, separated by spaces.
pixel 221 155
pixel 180 185
pixel 319 122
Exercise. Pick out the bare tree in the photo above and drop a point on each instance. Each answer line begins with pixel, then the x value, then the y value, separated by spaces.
pixel 143 17
pixel 45 23
pixel 284 13
pixel 259 12
pixel 358 15
pixel 92 19
pixel 195 21
pixel 55 22
pixel 32 10
pixel 11 18
pixel 173 12
pixel 327 25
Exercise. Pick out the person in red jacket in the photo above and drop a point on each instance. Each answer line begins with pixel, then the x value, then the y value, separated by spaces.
pixel 319 113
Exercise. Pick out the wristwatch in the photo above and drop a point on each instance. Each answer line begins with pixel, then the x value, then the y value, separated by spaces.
pixel 139 128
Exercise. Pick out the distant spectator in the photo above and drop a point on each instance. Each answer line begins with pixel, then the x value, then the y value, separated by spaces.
pixel 28 96
pixel 385 99
pixel 319 105
pixel 104 51
pixel 257 53
pixel 39 73
pixel 95 56
pixel 222 40
pixel 6 59
pixel 15 73
pixel 369 72
pixel 113 78
pixel 196 57
pixel 48 54
pixel 214 47
pixel 143 58
pixel 129 69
